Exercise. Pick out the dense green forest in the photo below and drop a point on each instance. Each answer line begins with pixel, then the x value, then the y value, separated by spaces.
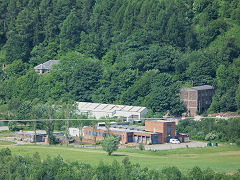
pixel 135 52
pixel 211 129
pixel 18 167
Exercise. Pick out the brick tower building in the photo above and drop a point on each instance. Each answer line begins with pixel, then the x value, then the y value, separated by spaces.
pixel 197 99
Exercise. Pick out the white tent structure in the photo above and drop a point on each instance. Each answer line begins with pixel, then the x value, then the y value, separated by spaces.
pixel 99 110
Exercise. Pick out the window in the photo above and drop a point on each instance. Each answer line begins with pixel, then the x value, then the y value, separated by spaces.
pixel 169 129
pixel 92 133
pixel 99 133
pixel 96 133
pixel 89 132
pixel 103 134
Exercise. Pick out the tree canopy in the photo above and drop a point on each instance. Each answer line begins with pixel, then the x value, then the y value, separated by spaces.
pixel 125 52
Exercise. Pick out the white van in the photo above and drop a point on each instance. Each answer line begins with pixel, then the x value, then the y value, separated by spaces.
pixel 174 141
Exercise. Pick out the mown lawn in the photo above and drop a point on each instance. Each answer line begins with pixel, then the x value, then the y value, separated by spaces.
pixel 7 135
pixel 222 159
pixel 6 142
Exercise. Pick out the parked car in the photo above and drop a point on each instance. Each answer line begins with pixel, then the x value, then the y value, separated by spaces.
pixel 174 141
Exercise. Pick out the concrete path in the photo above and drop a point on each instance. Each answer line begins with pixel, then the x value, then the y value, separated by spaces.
pixel 4 128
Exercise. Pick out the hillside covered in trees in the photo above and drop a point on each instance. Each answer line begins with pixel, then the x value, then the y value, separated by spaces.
pixel 135 52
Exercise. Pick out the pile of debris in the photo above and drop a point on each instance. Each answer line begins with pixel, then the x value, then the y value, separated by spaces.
pixel 224 114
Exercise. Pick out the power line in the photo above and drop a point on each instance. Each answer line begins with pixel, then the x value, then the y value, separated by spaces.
pixel 32 120
pixel 168 119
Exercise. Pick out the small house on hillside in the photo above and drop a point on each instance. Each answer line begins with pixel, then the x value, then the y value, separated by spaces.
pixel 45 67
pixel 197 99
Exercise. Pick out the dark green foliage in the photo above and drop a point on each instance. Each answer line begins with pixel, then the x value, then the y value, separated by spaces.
pixel 211 129
pixel 238 142
pixel 70 32
pixel 126 47
pixel 135 94
pixel 163 95
pixel 81 75
pixel 196 173
pixel 172 173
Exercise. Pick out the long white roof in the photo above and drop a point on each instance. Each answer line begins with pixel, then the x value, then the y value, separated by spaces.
pixel 99 107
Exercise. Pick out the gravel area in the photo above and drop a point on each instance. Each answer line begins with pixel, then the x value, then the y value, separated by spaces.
pixel 4 128
pixel 168 146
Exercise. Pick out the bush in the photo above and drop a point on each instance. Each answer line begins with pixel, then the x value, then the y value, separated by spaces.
pixel 172 173
pixel 195 173
pixel 5 152
pixel 13 126
pixel 141 146
pixel 238 142
pixel 210 136
pixel 99 143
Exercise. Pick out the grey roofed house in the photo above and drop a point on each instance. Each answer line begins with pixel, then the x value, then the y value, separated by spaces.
pixel 45 67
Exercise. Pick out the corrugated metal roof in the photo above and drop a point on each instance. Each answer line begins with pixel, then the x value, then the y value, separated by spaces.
pixel 86 106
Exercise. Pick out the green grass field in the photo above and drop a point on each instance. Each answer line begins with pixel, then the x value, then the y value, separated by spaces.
pixel 7 135
pixel 221 159
pixel 6 142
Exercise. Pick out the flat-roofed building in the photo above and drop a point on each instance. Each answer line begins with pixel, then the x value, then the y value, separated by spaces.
pixel 99 110
pixel 75 131
pixel 154 131
pixel 197 99
pixel 29 136
pixel 167 128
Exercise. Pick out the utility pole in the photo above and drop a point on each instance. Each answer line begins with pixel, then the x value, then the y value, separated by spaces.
pixel 35 135
pixel 67 127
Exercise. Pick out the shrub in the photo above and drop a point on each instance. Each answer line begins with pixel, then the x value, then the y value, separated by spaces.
pixel 172 173
pixel 210 136
pixel 99 143
pixel 141 146
pixel 195 173
pixel 5 152
pixel 13 126
pixel 238 142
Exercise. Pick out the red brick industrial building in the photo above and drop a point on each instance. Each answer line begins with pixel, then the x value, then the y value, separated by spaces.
pixel 155 132
pixel 197 99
